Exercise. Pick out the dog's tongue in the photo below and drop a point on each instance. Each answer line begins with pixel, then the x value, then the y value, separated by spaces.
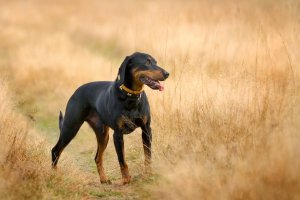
pixel 160 86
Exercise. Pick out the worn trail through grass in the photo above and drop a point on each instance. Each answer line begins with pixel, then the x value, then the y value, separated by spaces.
pixel 82 151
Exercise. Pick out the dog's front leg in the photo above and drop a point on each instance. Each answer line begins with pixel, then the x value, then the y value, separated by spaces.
pixel 147 139
pixel 119 146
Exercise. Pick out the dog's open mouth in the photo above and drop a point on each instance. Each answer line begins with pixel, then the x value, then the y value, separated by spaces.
pixel 153 84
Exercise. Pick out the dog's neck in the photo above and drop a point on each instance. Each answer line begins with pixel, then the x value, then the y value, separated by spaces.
pixel 131 88
pixel 132 83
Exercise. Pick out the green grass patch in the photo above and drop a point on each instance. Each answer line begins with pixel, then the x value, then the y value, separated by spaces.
pixel 106 194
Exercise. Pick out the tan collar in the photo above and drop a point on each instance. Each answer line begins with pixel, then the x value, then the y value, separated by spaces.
pixel 129 91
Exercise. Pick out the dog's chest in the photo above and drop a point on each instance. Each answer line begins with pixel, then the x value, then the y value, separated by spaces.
pixel 129 121
pixel 132 103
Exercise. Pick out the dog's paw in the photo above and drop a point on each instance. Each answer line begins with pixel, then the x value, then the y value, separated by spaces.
pixel 54 167
pixel 105 182
pixel 126 180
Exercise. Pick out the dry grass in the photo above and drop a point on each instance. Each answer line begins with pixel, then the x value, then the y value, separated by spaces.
pixel 226 127
pixel 25 167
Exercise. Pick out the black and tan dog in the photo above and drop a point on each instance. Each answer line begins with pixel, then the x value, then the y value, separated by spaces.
pixel 121 105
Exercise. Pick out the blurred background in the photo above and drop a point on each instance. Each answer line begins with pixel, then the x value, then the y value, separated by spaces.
pixel 225 127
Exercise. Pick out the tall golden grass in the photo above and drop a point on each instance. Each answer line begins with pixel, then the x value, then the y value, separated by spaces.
pixel 226 126
pixel 24 161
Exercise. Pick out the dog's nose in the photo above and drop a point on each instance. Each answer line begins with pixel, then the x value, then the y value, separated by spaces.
pixel 166 74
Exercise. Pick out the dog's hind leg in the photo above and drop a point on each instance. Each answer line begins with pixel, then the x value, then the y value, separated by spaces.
pixel 102 135
pixel 69 127
pixel 66 135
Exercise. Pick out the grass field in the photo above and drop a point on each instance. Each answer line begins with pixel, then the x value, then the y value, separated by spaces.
pixel 225 127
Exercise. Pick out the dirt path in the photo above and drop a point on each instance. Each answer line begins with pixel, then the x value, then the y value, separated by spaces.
pixel 82 151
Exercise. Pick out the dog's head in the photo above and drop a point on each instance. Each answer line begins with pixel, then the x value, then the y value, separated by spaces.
pixel 139 69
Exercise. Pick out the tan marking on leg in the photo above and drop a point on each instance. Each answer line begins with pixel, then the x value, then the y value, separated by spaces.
pixel 120 122
pixel 145 119
pixel 124 170
pixel 99 158
pixel 125 174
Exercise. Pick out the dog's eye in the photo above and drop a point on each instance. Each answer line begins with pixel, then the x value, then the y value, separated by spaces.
pixel 148 63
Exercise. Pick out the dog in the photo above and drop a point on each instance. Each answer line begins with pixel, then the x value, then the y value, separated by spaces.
pixel 121 105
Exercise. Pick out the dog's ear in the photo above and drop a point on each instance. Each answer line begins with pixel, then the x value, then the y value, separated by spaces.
pixel 121 75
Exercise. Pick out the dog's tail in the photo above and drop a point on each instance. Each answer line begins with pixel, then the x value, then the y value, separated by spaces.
pixel 61 120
